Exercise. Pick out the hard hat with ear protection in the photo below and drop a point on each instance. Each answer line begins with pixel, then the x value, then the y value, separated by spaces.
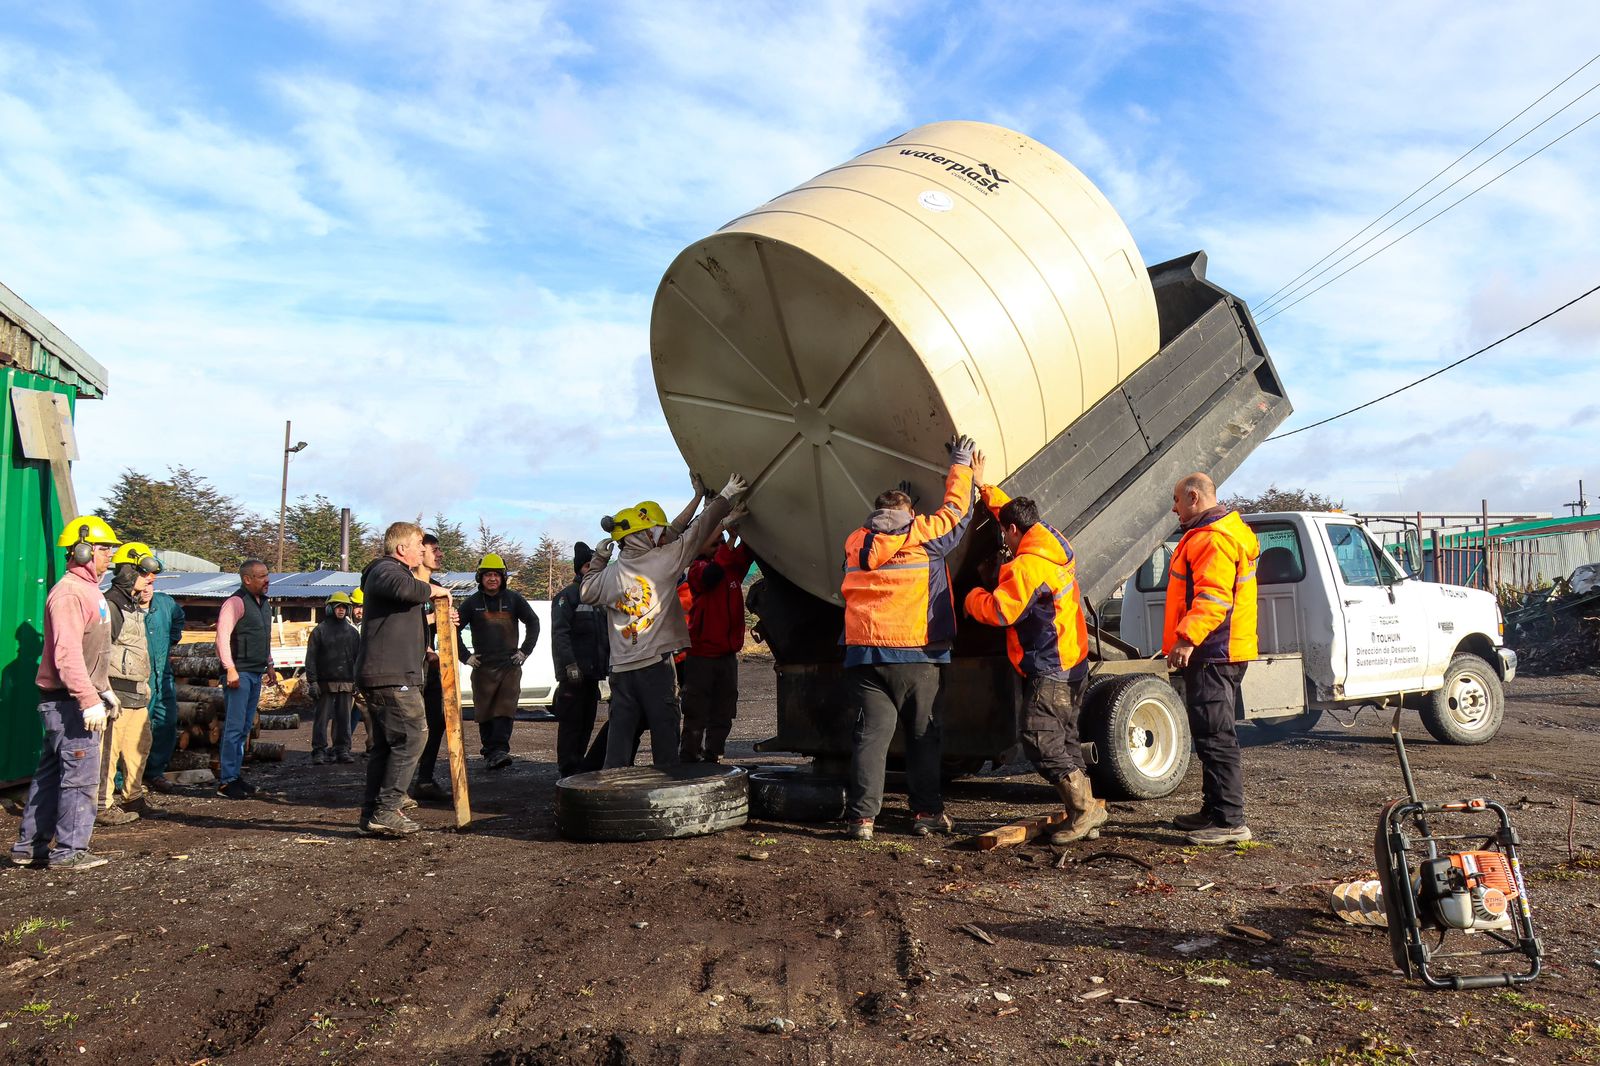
pixel 642 516
pixel 83 534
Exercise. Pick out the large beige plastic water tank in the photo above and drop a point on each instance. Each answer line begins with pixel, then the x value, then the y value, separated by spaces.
pixel 962 277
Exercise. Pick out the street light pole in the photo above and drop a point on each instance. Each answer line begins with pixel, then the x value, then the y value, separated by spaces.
pixel 283 496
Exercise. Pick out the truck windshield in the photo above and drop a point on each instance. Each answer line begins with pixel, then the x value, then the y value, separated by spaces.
pixel 1360 564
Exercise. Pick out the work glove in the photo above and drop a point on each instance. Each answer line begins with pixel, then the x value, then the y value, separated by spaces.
pixel 311 689
pixel 734 487
pixel 699 484
pixel 113 705
pixel 572 673
pixel 94 718
pixel 961 448
pixel 473 661
pixel 602 555
pixel 739 513
pixel 518 657
pixel 905 487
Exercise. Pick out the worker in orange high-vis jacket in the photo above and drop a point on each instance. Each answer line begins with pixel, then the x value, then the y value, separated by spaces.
pixel 899 621
pixel 1211 636
pixel 1036 600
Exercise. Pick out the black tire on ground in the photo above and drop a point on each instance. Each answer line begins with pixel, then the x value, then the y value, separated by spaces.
pixel 1141 737
pixel 646 803
pixel 1470 705
pixel 796 796
pixel 1272 730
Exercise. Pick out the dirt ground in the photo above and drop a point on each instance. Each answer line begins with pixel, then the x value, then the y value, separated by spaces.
pixel 259 932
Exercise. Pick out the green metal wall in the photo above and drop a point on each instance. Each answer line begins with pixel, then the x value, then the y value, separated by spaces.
pixel 30 522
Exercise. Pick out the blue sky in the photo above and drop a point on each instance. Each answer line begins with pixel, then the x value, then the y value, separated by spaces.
pixel 430 233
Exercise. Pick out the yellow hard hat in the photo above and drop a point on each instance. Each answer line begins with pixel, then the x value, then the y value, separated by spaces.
pixel 135 553
pixel 89 529
pixel 491 562
pixel 358 597
pixel 340 597
pixel 646 515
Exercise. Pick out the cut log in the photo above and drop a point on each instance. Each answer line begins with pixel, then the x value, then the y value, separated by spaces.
pixel 200 649
pixel 1019 832
pixel 200 694
pixel 192 760
pixel 265 751
pixel 196 666
pixel 214 731
pixel 279 721
pixel 197 713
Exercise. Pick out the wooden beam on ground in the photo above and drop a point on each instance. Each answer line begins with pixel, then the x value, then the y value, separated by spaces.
pixel 1018 832
pixel 449 670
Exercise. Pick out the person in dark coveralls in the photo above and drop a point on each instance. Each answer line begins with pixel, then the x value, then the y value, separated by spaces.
pixel 647 627
pixel 75 701
pixel 1211 636
pixel 390 674
pixel 1047 641
pixel 492 614
pixel 899 622
pixel 716 635
pixel 331 677
pixel 426 787
pixel 580 648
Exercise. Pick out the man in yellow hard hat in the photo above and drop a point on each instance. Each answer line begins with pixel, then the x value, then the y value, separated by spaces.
pixel 74 703
pixel 493 614
pixel 331 679
pixel 640 594
pixel 126 739
pixel 358 607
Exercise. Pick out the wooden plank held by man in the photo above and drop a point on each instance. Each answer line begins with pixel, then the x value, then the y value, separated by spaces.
pixel 450 682
pixel 1019 832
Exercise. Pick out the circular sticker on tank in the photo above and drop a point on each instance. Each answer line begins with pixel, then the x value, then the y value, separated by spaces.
pixel 934 200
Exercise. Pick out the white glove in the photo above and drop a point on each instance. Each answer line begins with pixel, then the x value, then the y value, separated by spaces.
pixel 734 487
pixel 94 718
pixel 113 705
pixel 572 673
pixel 602 555
pixel 517 658
pixel 472 661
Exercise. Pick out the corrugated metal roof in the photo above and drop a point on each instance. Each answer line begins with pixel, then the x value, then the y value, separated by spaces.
pixel 63 360
pixel 315 585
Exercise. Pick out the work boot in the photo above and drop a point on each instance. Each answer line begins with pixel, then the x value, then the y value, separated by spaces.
pixel 234 790
pixel 159 783
pixel 250 788
pixel 859 829
pixel 1188 823
pixel 1220 834
pixel 79 860
pixel 925 825
pixel 343 757
pixel 498 760
pixel 318 759
pixel 407 803
pixel 1084 813
pixel 388 824
pixel 114 815
pixel 430 790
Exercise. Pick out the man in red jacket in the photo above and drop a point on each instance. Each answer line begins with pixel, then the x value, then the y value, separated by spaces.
pixel 716 633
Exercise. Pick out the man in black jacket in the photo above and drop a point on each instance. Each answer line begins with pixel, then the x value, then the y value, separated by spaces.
pixel 391 674
pixel 425 786
pixel 581 648
pixel 331 677
pixel 493 614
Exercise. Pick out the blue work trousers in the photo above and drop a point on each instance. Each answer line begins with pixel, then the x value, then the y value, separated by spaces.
pixel 240 704
pixel 62 798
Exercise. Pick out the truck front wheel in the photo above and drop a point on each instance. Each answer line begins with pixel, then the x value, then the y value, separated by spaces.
pixel 1470 705
pixel 1141 739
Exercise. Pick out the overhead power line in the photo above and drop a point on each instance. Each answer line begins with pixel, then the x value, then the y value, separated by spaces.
pixel 1312 272
pixel 1284 307
pixel 1442 369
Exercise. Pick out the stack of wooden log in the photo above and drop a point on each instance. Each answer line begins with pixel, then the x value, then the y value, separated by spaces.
pixel 198 673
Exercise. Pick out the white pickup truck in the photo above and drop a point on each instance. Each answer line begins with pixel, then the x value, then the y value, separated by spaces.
pixel 1341 625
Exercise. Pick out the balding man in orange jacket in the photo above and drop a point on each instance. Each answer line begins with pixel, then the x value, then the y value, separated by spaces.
pixel 1211 636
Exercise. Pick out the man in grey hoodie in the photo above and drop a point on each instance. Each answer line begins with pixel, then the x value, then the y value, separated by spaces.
pixel 640 594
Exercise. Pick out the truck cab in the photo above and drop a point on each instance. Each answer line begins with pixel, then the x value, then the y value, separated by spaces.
pixel 1364 631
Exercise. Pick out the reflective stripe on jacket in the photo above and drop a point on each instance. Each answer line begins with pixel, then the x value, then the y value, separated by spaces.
pixel 896 586
pixel 1211 589
pixel 1036 599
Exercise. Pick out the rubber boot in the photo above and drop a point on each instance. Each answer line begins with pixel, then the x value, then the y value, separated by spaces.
pixel 1084 812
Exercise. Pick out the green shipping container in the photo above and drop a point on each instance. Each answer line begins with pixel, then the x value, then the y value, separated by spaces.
pixel 34 356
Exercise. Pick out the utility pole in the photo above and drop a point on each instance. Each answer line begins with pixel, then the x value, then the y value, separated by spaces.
pixel 344 539
pixel 1580 506
pixel 283 496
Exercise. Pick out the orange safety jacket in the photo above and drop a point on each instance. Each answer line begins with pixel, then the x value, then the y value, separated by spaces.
pixel 1211 589
pixel 896 585
pixel 686 601
pixel 1036 599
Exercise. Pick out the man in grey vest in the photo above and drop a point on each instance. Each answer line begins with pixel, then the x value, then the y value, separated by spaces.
pixel 244 644
pixel 125 743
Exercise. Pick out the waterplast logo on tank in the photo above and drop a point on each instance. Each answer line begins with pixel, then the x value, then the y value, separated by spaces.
pixel 983 175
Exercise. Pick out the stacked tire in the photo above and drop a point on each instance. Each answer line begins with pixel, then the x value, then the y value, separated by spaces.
pixel 649 803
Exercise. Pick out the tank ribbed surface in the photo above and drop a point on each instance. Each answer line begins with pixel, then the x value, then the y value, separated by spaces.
pixel 962 277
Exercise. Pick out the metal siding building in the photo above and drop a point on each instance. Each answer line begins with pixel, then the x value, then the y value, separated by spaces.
pixel 35 358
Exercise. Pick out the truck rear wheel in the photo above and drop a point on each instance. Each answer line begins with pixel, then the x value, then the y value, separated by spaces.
pixel 786 794
pixel 1470 705
pixel 1141 739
